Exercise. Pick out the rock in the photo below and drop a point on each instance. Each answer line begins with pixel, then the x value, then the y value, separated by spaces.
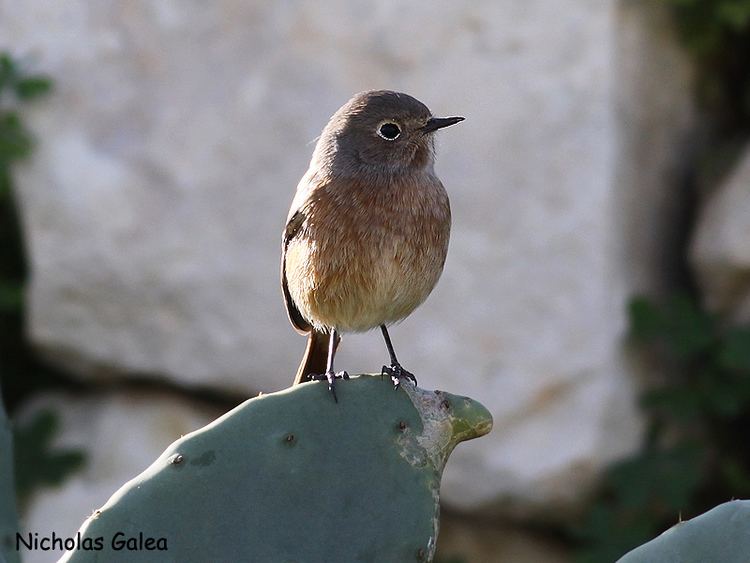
pixel 169 154
pixel 121 435
pixel 720 253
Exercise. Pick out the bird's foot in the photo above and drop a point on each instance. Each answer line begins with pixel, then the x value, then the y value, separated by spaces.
pixel 397 372
pixel 331 378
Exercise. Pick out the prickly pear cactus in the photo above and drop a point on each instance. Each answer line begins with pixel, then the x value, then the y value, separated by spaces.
pixel 8 515
pixel 720 535
pixel 293 477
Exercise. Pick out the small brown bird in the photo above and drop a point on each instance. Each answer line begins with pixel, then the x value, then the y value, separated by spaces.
pixel 367 234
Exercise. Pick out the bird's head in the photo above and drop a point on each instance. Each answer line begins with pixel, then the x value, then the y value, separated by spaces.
pixel 382 132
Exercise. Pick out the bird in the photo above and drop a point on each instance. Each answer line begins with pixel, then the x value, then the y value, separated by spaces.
pixel 367 233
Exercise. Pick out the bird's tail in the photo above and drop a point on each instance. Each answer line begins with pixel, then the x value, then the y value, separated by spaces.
pixel 316 356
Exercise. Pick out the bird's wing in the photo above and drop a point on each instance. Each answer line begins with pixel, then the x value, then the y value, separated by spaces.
pixel 293 227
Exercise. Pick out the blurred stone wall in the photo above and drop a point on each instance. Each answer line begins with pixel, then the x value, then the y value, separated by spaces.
pixel 170 151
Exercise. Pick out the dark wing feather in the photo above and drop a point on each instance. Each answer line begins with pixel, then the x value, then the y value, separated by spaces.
pixel 293 227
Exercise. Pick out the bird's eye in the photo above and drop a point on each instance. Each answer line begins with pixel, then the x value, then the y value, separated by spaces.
pixel 389 131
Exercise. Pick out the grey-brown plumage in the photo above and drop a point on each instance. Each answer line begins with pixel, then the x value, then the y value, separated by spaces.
pixel 367 233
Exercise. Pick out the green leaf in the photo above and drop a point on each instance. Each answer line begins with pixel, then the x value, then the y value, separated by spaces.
pixel 32 87
pixel 665 478
pixel 690 329
pixel 724 399
pixel 646 320
pixel 679 323
pixel 11 297
pixel 8 71
pixel 37 462
pixel 735 14
pixel 15 140
pixel 734 353
pixel 680 402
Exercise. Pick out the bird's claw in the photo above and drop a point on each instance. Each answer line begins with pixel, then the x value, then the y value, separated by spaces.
pixel 397 373
pixel 331 378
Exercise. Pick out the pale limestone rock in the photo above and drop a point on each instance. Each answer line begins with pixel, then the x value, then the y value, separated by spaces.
pixel 121 435
pixel 720 251
pixel 170 151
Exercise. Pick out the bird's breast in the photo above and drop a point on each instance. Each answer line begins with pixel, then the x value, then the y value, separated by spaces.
pixel 368 255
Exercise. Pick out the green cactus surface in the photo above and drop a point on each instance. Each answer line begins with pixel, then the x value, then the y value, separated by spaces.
pixel 293 477
pixel 721 535
pixel 8 514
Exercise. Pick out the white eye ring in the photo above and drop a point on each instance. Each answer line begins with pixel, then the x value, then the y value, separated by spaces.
pixel 389 134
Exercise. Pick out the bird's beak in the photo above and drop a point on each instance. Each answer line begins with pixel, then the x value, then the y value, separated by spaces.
pixel 435 123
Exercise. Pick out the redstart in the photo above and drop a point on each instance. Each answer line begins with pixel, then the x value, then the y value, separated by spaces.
pixel 367 234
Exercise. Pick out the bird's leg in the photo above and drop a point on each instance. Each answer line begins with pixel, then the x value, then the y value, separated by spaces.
pixel 396 370
pixel 331 375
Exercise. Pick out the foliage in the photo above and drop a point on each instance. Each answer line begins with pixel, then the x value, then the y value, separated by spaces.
pixel 708 24
pixel 694 454
pixel 15 144
pixel 15 141
pixel 717 32
pixel 37 462
pixel 22 373
pixel 643 495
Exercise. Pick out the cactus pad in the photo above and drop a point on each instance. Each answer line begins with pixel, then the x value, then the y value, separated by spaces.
pixel 720 535
pixel 292 477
